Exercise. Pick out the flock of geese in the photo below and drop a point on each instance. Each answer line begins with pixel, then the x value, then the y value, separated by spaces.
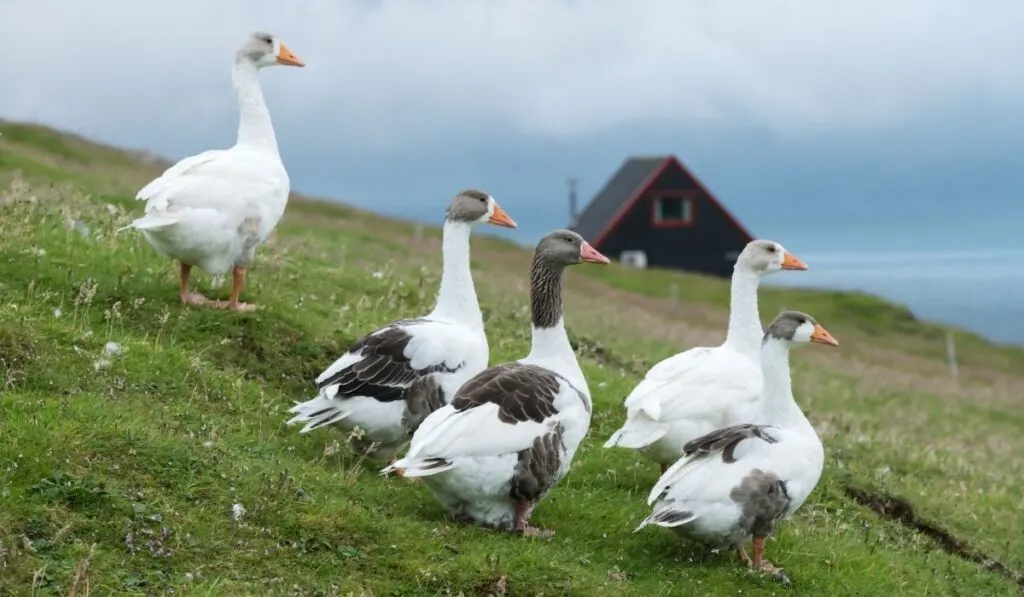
pixel 737 455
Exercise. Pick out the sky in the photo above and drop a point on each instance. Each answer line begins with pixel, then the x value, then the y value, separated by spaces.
pixel 834 126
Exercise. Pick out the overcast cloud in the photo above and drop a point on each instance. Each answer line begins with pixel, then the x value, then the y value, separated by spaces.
pixel 406 72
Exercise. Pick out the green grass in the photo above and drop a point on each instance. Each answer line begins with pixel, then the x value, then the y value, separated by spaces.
pixel 120 470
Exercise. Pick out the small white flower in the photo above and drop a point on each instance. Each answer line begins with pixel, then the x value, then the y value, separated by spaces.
pixel 100 364
pixel 112 348
pixel 78 226
pixel 57 312
pixel 378 274
pixel 237 511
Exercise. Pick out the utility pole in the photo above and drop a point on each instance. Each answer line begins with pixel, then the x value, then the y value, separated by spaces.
pixel 572 198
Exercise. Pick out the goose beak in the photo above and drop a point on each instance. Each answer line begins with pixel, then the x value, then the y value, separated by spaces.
pixel 500 217
pixel 790 261
pixel 592 255
pixel 285 56
pixel 822 336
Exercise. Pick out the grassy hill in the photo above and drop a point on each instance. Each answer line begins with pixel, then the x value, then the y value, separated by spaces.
pixel 131 427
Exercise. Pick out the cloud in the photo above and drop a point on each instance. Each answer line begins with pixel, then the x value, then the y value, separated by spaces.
pixel 397 75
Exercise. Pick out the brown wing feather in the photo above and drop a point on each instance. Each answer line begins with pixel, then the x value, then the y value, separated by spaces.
pixel 522 392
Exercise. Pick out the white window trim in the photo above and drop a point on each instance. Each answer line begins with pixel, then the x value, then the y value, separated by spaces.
pixel 687 210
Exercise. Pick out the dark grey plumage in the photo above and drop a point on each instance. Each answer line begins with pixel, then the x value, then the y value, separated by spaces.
pixel 554 252
pixel 667 515
pixel 537 466
pixel 384 372
pixel 784 326
pixel 522 392
pixel 423 397
pixel 763 500
pixel 725 440
pixel 468 206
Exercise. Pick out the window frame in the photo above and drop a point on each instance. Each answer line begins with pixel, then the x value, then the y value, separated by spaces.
pixel 688 198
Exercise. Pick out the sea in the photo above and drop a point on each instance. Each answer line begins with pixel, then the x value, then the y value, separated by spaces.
pixel 979 290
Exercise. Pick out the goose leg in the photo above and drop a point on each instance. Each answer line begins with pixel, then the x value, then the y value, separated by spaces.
pixel 187 296
pixel 522 522
pixel 400 472
pixel 237 281
pixel 758 562
pixel 744 557
pixel 664 467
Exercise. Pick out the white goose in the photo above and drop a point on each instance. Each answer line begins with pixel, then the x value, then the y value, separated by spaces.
pixel 735 484
pixel 704 388
pixel 393 377
pixel 510 433
pixel 213 209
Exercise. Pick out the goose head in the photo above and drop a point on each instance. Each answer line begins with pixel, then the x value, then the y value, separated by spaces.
pixel 794 327
pixel 565 247
pixel 762 257
pixel 264 49
pixel 475 207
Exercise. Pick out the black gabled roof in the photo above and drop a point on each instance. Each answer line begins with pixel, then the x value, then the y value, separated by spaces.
pixel 625 188
pixel 603 207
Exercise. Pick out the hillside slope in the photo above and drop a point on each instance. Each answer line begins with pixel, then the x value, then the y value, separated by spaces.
pixel 131 427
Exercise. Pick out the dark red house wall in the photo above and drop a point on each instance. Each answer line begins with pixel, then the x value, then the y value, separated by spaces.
pixel 704 246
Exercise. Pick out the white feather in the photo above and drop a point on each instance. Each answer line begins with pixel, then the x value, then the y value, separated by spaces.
pixel 432 342
pixel 686 396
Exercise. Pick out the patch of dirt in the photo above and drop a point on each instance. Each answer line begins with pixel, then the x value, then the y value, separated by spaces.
pixel 16 350
pixel 902 511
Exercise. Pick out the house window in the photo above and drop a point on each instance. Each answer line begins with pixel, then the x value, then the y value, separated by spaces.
pixel 670 210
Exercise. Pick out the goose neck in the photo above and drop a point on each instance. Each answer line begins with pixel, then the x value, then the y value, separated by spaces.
pixel 456 297
pixel 254 126
pixel 549 340
pixel 744 332
pixel 777 404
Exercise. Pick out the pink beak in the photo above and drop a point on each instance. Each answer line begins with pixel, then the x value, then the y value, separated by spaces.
pixel 591 255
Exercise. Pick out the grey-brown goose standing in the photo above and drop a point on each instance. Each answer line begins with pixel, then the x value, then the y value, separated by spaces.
pixel 392 378
pixel 734 484
pixel 510 433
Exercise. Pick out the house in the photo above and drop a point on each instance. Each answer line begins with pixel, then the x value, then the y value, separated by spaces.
pixel 656 206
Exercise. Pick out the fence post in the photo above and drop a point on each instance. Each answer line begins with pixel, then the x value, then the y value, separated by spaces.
pixel 954 370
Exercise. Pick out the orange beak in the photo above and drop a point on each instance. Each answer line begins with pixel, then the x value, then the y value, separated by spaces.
pixel 822 336
pixel 592 255
pixel 285 56
pixel 501 218
pixel 789 261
